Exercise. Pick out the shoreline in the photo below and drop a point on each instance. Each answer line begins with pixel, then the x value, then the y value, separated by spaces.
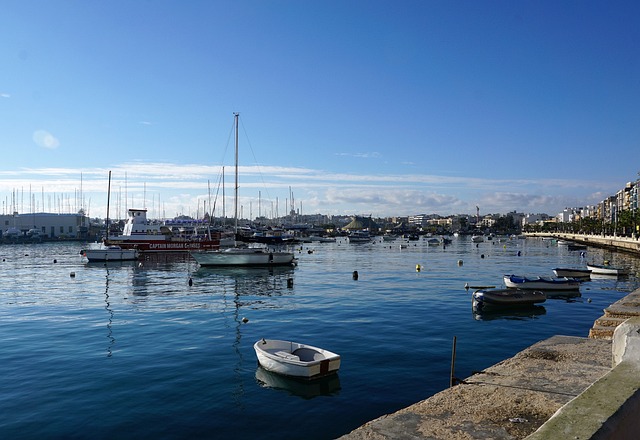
pixel 518 396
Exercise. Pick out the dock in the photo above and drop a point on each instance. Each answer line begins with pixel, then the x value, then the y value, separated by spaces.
pixel 509 400
pixel 563 387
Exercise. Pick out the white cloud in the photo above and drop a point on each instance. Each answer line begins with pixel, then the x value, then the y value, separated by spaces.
pixel 5 95
pixel 45 139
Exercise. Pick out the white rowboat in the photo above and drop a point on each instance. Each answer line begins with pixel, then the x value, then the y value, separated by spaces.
pixel 605 269
pixel 295 359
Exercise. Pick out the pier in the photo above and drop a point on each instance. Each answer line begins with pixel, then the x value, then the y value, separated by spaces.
pixel 561 387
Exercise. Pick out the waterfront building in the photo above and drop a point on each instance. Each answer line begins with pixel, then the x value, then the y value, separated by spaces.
pixel 45 225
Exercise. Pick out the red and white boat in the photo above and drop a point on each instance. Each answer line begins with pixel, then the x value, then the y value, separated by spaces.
pixel 152 236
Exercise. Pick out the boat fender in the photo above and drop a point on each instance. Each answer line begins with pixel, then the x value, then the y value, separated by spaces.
pixel 72 274
pixel 55 261
pixel 519 253
pixel 481 255
pixel 355 275
pixel 459 262
pixel 190 282
pixel 245 319
pixel 418 268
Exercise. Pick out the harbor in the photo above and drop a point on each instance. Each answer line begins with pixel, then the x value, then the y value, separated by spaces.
pixel 569 387
pixel 113 348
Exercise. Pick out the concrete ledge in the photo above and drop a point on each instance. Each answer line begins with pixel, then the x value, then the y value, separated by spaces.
pixel 608 409
pixel 509 400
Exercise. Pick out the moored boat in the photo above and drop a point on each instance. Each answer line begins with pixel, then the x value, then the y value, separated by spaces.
pixel 237 256
pixel 295 359
pixel 572 273
pixel 477 238
pixel 483 299
pixel 541 283
pixel 149 236
pixel 110 253
pixel 240 256
pixel 359 237
pixel 606 269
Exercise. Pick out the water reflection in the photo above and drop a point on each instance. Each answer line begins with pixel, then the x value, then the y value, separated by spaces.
pixel 241 288
pixel 107 307
pixel 517 314
pixel 325 386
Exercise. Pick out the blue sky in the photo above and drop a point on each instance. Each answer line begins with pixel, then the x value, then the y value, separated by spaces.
pixel 357 107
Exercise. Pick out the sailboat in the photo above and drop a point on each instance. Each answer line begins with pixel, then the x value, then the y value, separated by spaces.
pixel 241 256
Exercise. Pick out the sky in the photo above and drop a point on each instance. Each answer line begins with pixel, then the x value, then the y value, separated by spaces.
pixel 347 107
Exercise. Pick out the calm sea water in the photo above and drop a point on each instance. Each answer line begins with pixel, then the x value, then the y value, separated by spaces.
pixel 132 351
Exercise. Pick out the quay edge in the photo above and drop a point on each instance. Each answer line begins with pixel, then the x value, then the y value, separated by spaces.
pixel 561 387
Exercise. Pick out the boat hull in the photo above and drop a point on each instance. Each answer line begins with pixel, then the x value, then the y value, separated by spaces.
pixel 607 270
pixel 572 273
pixel 243 257
pixel 540 283
pixel 110 254
pixel 296 360
pixel 165 245
pixel 500 298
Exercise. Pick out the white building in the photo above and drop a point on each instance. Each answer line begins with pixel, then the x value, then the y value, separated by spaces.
pixel 61 226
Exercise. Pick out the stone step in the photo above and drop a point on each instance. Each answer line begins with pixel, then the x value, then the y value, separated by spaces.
pixel 620 311
pixel 609 321
pixel 601 332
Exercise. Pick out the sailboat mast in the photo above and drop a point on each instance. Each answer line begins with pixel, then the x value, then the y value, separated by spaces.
pixel 108 199
pixel 235 115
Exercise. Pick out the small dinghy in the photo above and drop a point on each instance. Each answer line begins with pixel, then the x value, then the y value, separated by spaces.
pixel 541 283
pixel 606 269
pixel 295 359
pixel 502 298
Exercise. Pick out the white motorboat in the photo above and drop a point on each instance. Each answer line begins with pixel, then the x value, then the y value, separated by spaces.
pixel 295 359
pixel 110 253
pixel 606 269
pixel 572 273
pixel 359 237
pixel 483 299
pixel 477 238
pixel 541 283
pixel 241 256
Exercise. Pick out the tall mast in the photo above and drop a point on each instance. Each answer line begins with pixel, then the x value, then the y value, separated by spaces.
pixel 235 115
pixel 108 199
